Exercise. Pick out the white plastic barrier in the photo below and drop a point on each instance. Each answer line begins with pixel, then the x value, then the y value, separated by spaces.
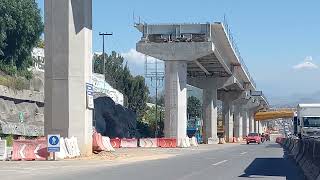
pixel 194 142
pixel 188 141
pixel 72 147
pixel 3 150
pixel 129 143
pixel 213 140
pixel 106 143
pixel 63 150
pixel 184 142
pixel 148 142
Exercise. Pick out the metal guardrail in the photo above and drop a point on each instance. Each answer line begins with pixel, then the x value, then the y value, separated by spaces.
pixel 236 49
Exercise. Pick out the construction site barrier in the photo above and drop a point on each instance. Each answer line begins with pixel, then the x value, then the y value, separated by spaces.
pixel 29 150
pixel 63 150
pixel 97 144
pixel 306 154
pixel 167 142
pixel 184 142
pixel 107 144
pixel 115 143
pixel 148 142
pixel 194 142
pixel 129 143
pixel 3 150
pixel 221 141
pixel 72 147
pixel 213 141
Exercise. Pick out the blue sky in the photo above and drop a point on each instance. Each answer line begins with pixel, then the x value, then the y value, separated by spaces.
pixel 279 40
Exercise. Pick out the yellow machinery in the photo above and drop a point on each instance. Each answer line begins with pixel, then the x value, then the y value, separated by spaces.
pixel 274 114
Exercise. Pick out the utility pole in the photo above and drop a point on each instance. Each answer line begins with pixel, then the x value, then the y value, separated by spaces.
pixel 156 74
pixel 103 54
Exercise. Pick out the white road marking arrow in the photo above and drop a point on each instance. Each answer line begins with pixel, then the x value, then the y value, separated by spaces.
pixel 21 151
pixel 36 151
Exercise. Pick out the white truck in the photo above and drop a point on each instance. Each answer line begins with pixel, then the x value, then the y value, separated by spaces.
pixel 308 116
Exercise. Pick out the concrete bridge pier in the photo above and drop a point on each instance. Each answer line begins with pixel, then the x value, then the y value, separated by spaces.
pixel 68 52
pixel 175 124
pixel 256 126
pixel 227 98
pixel 251 122
pixel 210 111
pixel 240 116
pixel 210 115
pixel 245 124
pixel 238 121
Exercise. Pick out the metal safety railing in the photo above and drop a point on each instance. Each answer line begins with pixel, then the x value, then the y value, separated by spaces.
pixel 236 50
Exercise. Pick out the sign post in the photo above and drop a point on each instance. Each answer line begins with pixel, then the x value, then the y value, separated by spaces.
pixel 89 89
pixel 54 144
pixel 256 93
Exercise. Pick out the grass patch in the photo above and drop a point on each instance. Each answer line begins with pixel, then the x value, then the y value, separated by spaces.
pixel 18 83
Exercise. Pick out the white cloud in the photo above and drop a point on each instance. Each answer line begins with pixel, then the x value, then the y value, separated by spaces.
pixel 136 61
pixel 306 64
pixel 133 57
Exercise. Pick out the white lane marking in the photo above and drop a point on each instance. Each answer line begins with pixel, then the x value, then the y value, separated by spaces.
pixel 215 164
pixel 243 153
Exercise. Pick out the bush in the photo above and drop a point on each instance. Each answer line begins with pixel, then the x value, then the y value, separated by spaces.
pixel 9 139
pixel 17 83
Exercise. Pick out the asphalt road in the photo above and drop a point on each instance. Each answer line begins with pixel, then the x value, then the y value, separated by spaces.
pixel 264 161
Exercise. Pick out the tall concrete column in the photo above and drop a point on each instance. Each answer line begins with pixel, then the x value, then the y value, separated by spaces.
pixel 227 112
pixel 68 51
pixel 210 114
pixel 256 126
pixel 245 124
pixel 238 121
pixel 251 122
pixel 175 100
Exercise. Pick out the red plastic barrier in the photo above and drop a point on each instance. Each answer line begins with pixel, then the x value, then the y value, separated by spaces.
pixel 129 143
pixel 115 142
pixel 148 142
pixel 29 150
pixel 97 142
pixel 167 142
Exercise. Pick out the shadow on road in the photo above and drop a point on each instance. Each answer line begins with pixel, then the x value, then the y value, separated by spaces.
pixel 273 146
pixel 275 167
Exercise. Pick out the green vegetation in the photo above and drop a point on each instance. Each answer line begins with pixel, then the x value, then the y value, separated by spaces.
pixel 194 107
pixel 20 30
pixel 17 83
pixel 118 75
pixel 150 119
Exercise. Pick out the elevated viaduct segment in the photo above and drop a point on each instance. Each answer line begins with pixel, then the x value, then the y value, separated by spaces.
pixel 203 56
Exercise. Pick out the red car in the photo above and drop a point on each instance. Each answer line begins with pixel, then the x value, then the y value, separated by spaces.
pixel 253 138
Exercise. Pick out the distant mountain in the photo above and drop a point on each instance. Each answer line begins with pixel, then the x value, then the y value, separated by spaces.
pixel 294 99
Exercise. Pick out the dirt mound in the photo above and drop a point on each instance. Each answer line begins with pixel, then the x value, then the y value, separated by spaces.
pixel 114 120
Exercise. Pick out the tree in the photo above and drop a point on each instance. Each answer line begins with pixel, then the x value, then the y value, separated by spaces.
pixel 20 30
pixel 118 75
pixel 40 43
pixel 194 106
pixel 149 119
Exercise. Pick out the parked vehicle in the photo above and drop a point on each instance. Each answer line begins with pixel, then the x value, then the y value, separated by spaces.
pixel 253 138
pixel 308 120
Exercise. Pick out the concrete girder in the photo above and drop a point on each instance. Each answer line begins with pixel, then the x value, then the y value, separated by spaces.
pixel 182 51
pixel 232 84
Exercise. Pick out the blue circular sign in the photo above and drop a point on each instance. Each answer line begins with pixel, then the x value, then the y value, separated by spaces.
pixel 53 140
